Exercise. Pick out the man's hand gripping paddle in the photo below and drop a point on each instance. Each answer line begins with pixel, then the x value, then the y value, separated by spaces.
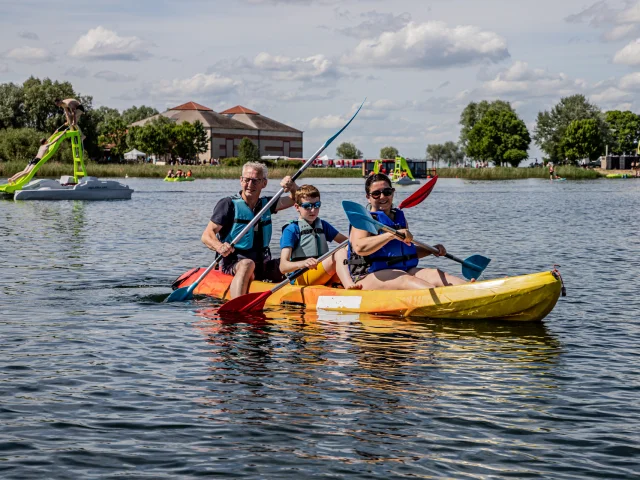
pixel 359 217
pixel 186 293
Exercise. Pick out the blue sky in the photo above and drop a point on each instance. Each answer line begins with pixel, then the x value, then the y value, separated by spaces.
pixel 308 63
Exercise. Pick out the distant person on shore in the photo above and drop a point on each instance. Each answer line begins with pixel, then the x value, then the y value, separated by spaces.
pixel 551 171
pixel 73 110
pixel 42 151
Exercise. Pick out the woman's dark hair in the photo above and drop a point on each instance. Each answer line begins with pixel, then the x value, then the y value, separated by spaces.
pixel 376 177
pixel 57 101
pixel 43 141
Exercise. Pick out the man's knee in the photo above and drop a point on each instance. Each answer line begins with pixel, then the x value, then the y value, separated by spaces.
pixel 245 266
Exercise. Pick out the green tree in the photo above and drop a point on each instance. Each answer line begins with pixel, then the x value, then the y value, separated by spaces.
pixel 19 144
pixel 474 112
pixel 113 134
pixel 348 150
pixel 551 126
pixel 498 132
pixel 582 139
pixel 40 111
pixel 388 152
pixel 12 113
pixel 248 151
pixel 625 131
pixel 156 137
pixel 134 114
pixel 436 152
pixel 452 154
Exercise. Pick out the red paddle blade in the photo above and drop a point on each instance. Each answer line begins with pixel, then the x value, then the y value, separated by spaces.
pixel 245 303
pixel 419 195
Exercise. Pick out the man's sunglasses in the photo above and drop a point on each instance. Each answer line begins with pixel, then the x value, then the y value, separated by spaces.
pixel 309 205
pixel 387 192
pixel 255 181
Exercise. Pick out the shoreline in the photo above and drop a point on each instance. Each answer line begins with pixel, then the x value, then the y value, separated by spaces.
pixel 56 170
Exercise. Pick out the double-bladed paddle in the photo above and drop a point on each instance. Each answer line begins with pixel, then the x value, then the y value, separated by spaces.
pixel 186 293
pixel 256 301
pixel 419 195
pixel 359 217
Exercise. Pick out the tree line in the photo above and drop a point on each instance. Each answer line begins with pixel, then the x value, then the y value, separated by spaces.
pixel 28 113
pixel 572 130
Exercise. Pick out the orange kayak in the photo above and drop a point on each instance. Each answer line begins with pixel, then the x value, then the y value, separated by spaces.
pixel 522 298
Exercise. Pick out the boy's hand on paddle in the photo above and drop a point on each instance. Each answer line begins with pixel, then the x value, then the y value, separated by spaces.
pixel 310 263
pixel 408 237
pixel 441 250
pixel 225 249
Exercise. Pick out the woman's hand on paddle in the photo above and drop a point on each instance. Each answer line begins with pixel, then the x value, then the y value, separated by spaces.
pixel 441 250
pixel 408 237
pixel 225 249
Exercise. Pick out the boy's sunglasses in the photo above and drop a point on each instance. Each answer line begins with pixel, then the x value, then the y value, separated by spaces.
pixel 309 205
pixel 387 192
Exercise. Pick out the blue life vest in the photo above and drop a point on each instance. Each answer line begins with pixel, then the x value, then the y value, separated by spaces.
pixel 395 254
pixel 242 217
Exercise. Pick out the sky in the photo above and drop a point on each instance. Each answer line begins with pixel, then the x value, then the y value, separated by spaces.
pixel 310 63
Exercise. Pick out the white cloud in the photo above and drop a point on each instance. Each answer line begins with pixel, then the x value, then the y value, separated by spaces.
pixel 630 81
pixel 29 35
pixel 374 24
pixel 429 45
pixel 30 55
pixel 102 44
pixel 328 121
pixel 620 32
pixel 621 22
pixel 111 76
pixel 299 68
pixel 609 96
pixel 629 55
pixel 80 72
pixel 631 14
pixel 198 84
pixel 522 81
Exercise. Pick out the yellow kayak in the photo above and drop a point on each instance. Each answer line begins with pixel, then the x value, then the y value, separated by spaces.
pixel 522 298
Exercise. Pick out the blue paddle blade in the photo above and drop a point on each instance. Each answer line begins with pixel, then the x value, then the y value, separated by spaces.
pixel 180 295
pixel 474 265
pixel 360 218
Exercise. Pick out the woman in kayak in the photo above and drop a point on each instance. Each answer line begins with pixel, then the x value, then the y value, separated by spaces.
pixel 382 262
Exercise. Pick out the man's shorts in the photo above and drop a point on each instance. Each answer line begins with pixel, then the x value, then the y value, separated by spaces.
pixel 314 277
pixel 269 270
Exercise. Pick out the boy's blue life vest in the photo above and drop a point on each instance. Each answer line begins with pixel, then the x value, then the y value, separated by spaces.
pixel 313 241
pixel 395 254
pixel 242 217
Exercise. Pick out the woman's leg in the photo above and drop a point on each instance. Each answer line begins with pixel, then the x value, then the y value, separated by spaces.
pixel 436 277
pixel 392 280
pixel 342 270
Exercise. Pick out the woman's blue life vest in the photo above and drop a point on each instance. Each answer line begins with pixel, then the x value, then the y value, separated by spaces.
pixel 395 254
pixel 313 241
pixel 242 217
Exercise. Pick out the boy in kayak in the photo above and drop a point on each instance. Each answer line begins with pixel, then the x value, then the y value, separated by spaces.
pixel 306 239
pixel 382 262
pixel 250 258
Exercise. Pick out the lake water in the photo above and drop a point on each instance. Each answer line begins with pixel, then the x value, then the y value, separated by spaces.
pixel 100 379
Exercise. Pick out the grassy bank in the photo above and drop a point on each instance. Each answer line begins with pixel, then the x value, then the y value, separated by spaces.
pixel 55 170
pixel 504 173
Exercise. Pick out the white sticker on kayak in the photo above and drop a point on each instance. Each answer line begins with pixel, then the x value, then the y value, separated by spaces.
pixel 338 302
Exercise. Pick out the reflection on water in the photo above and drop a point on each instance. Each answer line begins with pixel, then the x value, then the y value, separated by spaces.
pixel 100 378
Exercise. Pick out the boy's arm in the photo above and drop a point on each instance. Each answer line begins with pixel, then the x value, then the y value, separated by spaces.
pixel 339 238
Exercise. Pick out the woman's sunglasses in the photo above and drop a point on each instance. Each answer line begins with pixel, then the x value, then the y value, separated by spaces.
pixel 387 192
pixel 309 205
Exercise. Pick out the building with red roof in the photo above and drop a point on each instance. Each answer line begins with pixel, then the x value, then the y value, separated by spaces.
pixel 226 130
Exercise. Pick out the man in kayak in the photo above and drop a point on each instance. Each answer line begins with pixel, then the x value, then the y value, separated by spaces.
pixel 250 258
pixel 307 238
pixel 382 262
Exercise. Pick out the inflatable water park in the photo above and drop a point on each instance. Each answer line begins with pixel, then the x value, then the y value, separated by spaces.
pixel 78 186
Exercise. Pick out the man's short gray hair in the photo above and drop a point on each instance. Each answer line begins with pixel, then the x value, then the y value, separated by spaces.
pixel 260 167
